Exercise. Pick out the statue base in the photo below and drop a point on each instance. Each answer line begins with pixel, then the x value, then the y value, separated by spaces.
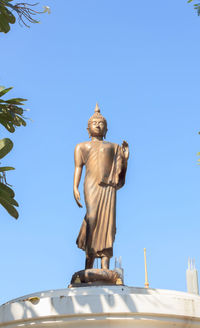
pixel 103 307
pixel 95 277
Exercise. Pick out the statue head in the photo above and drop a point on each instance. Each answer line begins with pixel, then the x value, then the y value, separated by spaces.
pixel 97 124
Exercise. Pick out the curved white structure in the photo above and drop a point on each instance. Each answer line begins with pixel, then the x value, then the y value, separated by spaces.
pixel 105 306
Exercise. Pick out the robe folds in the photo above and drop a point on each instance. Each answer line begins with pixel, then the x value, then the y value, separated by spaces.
pixel 105 173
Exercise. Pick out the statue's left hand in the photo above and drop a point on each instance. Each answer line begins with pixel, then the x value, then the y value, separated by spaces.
pixel 125 150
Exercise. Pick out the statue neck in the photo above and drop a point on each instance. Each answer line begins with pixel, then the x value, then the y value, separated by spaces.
pixel 97 138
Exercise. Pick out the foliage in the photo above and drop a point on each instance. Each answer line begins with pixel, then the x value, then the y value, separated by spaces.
pixel 24 11
pixel 11 116
pixel 6 193
pixel 11 112
pixel 196 6
pixel 6 17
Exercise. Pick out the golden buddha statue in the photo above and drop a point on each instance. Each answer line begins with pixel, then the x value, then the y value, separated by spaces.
pixel 106 165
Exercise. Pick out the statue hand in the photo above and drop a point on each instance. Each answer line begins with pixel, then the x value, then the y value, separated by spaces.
pixel 77 197
pixel 125 150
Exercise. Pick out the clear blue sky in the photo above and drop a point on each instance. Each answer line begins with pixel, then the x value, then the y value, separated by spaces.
pixel 140 61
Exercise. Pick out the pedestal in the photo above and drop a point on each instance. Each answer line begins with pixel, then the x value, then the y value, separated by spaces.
pixel 95 277
pixel 105 306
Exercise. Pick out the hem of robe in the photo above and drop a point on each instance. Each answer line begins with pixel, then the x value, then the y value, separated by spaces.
pixel 107 252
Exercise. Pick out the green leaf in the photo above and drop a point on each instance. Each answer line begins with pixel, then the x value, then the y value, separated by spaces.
pixel 6 168
pixel 8 119
pixel 13 202
pixel 7 189
pixel 20 121
pixel 190 1
pixel 7 116
pixel 11 114
pixel 5 147
pixel 10 17
pixel 17 110
pixel 16 122
pixel 7 14
pixel 4 91
pixel 10 208
pixel 16 101
pixel 7 125
pixel 10 108
pixel 4 195
pixel 4 25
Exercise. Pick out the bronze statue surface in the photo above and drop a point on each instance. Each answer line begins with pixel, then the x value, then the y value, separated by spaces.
pixel 95 277
pixel 106 165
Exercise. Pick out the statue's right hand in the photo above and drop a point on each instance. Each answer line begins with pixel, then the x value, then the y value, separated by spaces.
pixel 77 197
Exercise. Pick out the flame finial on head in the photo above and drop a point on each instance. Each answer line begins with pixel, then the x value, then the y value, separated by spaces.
pixel 97 109
pixel 97 114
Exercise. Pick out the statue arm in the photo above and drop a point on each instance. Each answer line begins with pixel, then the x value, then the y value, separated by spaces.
pixel 125 151
pixel 122 164
pixel 77 173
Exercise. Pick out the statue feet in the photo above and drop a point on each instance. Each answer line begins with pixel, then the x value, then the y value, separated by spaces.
pixel 95 277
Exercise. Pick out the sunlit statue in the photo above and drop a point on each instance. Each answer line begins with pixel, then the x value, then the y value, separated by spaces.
pixel 106 165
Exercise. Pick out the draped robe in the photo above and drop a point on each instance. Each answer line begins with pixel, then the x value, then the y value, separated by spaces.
pixel 105 173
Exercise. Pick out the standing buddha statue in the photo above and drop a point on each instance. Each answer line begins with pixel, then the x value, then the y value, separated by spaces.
pixel 106 165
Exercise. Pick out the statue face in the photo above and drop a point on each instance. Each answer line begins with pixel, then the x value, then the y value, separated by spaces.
pixel 97 128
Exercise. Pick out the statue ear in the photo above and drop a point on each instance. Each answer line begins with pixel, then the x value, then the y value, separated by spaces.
pixel 89 132
pixel 106 130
